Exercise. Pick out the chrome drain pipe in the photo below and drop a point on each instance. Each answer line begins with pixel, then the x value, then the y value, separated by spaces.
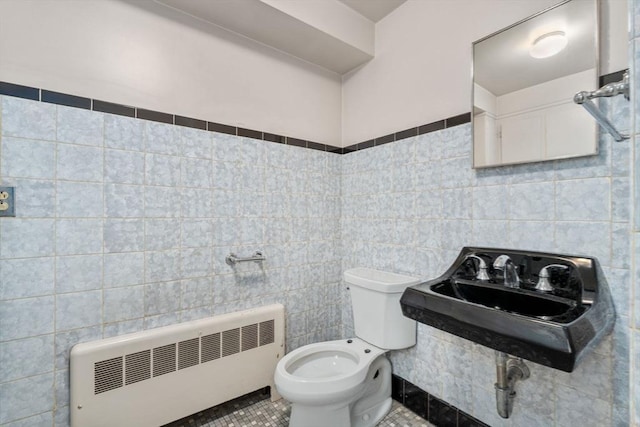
pixel 509 370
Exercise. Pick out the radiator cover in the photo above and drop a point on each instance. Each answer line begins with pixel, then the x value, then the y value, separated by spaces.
pixel 153 377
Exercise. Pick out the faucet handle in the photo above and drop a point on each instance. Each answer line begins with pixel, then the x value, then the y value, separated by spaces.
pixel 543 277
pixel 481 274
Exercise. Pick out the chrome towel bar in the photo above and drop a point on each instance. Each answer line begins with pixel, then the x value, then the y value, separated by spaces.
pixel 612 89
pixel 232 258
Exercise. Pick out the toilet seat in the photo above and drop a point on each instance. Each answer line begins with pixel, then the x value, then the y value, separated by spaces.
pixel 325 372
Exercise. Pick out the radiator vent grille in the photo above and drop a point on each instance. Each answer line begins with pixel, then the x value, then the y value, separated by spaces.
pixel 249 337
pixel 267 332
pixel 230 342
pixel 164 360
pixel 210 347
pixel 135 367
pixel 108 375
pixel 188 353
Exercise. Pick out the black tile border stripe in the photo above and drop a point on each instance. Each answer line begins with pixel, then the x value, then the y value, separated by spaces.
pixel 36 94
pixel 19 91
pixel 429 407
pixel 65 99
pixel 612 77
pixel 250 133
pixel 154 116
pixel 190 123
pixel 111 108
pixel 220 128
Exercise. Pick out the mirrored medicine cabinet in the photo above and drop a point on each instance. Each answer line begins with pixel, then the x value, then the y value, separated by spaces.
pixel 524 80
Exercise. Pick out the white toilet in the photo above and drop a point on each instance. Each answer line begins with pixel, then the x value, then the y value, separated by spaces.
pixel 347 383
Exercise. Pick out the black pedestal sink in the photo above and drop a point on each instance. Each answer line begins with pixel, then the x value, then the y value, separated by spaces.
pixel 555 327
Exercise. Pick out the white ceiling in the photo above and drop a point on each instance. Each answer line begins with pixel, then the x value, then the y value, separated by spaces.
pixel 373 10
pixel 338 35
pixel 502 63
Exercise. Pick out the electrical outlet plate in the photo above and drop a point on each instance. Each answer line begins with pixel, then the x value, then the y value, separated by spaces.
pixel 7 201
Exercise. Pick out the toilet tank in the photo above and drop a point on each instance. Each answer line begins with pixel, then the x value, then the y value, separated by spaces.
pixel 377 316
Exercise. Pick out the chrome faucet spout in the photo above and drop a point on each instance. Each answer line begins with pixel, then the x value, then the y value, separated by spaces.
pixel 505 264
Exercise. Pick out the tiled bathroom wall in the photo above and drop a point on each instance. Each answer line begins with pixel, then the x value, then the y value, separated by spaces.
pixel 634 315
pixel 124 224
pixel 410 206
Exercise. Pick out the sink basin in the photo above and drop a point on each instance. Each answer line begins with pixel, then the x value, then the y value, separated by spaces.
pixel 555 328
pixel 515 301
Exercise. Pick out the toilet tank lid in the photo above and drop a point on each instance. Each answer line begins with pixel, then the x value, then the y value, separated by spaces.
pixel 381 281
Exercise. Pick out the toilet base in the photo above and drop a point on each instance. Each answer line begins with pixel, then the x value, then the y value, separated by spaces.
pixel 365 410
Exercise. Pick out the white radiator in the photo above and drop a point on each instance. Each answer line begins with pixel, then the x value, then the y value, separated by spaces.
pixel 157 376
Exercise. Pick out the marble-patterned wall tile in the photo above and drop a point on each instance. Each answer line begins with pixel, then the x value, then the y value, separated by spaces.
pixel 532 235
pixel 573 407
pixel 197 173
pixel 160 234
pixel 636 365
pixel 123 167
pixel 28 317
pixel 583 200
pixel 123 303
pixel 491 202
pixel 61 385
pixel 588 238
pixel 26 357
pixel 26 397
pixel 26 158
pixel 196 292
pixel 123 201
pixel 457 203
pixel 120 328
pixel 161 202
pixel 621 199
pixel 162 170
pixel 26 277
pixel 65 341
pixel 123 269
pixel 123 235
pixel 41 420
pixel 198 233
pixel 162 298
pixel 78 199
pixel 490 233
pixel 620 245
pixel 78 236
pixel 80 126
pixel 28 119
pixel 196 143
pixel 78 310
pixel 532 201
pixel 161 138
pixel 196 202
pixel 37 198
pixel 124 133
pixel 79 163
pixel 78 273
pixel 195 262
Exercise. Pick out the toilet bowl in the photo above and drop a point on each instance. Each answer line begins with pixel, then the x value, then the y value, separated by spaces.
pixel 347 383
pixel 325 380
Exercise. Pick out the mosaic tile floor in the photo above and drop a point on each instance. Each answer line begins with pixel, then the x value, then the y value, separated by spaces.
pixel 257 410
